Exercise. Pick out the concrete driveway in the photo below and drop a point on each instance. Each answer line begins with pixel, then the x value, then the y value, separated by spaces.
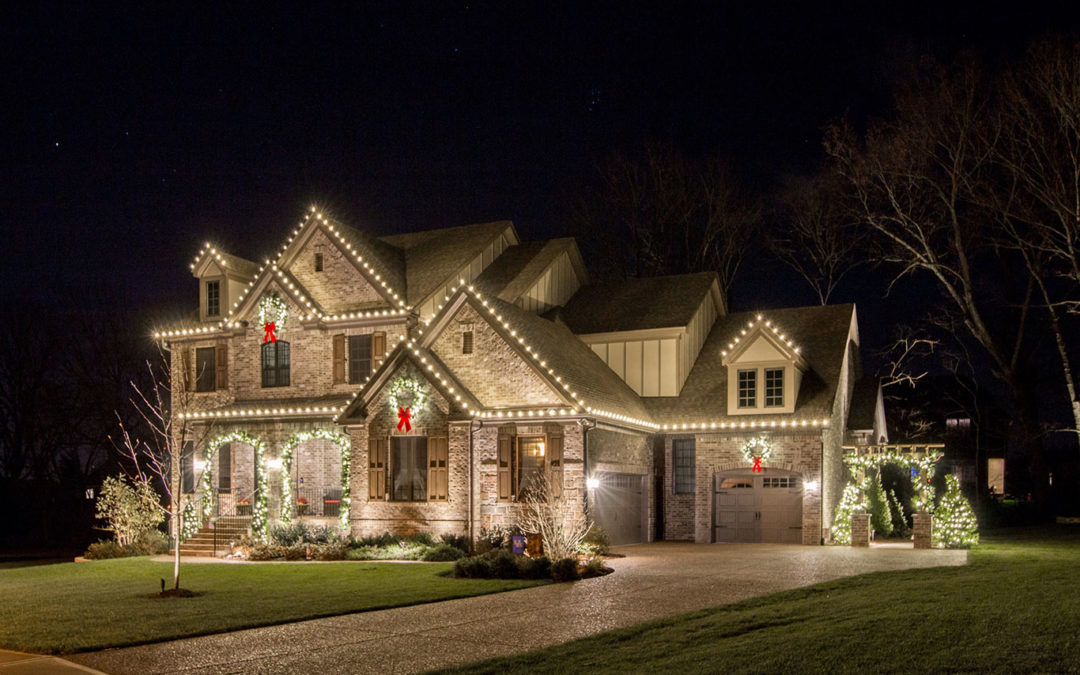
pixel 652 581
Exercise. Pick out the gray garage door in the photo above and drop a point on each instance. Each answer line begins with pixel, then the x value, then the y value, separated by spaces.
pixel 618 506
pixel 757 507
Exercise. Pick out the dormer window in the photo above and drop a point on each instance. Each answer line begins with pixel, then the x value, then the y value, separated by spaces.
pixel 764 370
pixel 747 388
pixel 774 387
pixel 213 298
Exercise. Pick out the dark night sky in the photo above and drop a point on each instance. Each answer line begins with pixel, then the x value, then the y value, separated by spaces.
pixel 137 132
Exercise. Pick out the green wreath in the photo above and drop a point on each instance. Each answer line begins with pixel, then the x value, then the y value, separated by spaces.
pixel 273 309
pixel 404 385
pixel 758 446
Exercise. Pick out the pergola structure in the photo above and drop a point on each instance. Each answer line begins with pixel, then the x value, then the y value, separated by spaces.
pixel 920 459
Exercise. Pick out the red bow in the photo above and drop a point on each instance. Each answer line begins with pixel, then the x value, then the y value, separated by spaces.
pixel 757 465
pixel 268 332
pixel 403 419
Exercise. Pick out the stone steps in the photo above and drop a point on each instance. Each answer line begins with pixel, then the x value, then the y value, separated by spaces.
pixel 227 530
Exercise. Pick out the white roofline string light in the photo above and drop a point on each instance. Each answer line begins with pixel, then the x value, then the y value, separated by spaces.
pixel 768 324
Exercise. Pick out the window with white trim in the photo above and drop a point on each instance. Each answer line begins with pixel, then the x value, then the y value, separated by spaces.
pixel 774 387
pixel 748 388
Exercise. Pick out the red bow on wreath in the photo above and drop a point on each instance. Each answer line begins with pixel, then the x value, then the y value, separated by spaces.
pixel 404 414
pixel 268 332
pixel 757 465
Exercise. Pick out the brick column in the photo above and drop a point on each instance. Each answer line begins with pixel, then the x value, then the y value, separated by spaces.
pixel 922 524
pixel 860 529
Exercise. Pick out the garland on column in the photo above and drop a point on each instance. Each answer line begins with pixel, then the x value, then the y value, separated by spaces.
pixel 259 507
pixel 853 501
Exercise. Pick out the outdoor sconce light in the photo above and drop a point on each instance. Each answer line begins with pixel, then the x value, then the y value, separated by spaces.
pixel 810 485
pixel 199 464
pixel 274 464
pixel 592 483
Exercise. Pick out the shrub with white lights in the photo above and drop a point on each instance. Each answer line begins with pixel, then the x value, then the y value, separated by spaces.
pixel 853 501
pixel 954 521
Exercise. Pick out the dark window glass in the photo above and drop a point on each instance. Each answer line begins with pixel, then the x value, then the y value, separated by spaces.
pixel 774 387
pixel 224 460
pixel 530 462
pixel 408 466
pixel 466 342
pixel 187 467
pixel 359 358
pixel 213 298
pixel 318 262
pixel 275 364
pixel 682 451
pixel 747 388
pixel 204 369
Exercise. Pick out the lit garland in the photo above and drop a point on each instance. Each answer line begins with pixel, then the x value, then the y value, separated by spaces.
pixel 757 450
pixel 259 508
pixel 189 524
pixel 923 465
pixel 853 501
pixel 954 524
pixel 404 385
pixel 340 440
pixel 272 309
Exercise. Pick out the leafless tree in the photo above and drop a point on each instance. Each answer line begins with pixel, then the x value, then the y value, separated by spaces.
pixel 664 214
pixel 561 526
pixel 156 459
pixel 905 357
pixel 815 233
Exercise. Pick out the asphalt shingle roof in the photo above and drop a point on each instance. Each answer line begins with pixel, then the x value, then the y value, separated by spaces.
pixel 821 332
pixel 655 302
pixel 514 272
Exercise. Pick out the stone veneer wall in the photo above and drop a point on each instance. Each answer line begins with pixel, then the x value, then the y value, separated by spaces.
pixel 489 509
pixel 340 287
pixel 618 451
pixel 441 517
pixel 689 517
pixel 494 372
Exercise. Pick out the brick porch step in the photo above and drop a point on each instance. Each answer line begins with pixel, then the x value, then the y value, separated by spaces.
pixel 227 529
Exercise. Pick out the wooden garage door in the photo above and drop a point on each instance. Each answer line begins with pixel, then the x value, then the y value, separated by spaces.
pixel 617 505
pixel 749 507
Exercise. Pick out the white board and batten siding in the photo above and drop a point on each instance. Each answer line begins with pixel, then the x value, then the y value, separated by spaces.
pixel 553 288
pixel 469 272
pixel 656 362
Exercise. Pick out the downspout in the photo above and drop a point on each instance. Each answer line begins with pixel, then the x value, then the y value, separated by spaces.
pixel 585 425
pixel 472 495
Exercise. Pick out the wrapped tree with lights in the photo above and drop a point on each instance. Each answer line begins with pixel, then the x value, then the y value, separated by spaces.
pixel 853 501
pixel 877 505
pixel 955 525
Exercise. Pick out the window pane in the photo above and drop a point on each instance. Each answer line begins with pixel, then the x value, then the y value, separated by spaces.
pixel 774 387
pixel 275 364
pixel 213 298
pixel 531 451
pixel 747 388
pixel 682 450
pixel 224 460
pixel 187 467
pixel 204 369
pixel 408 461
pixel 359 358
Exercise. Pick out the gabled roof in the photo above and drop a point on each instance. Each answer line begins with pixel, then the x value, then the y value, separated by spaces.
pixel 231 264
pixel 638 304
pixel 564 361
pixel 427 363
pixel 864 400
pixel 290 286
pixel 822 333
pixel 757 329
pixel 433 257
pixel 518 267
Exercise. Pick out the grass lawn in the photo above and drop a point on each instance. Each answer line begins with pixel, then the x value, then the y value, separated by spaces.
pixel 80 606
pixel 1014 608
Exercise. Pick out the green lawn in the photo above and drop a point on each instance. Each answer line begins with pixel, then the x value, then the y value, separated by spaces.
pixel 80 606
pixel 1014 608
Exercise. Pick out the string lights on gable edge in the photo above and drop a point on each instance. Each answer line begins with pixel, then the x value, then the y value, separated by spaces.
pixel 777 333
pixel 263 412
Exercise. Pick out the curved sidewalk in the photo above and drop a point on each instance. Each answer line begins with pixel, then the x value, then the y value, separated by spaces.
pixel 652 581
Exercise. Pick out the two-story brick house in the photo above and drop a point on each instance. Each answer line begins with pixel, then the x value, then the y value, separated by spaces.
pixel 422 381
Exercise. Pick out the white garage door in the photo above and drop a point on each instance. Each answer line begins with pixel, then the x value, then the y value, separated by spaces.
pixel 617 505
pixel 757 507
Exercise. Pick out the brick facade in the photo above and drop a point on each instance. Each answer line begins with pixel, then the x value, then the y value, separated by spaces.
pixel 339 287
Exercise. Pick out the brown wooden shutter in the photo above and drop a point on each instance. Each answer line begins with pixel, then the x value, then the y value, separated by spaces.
pixel 555 465
pixel 505 471
pixel 378 348
pixel 339 359
pixel 437 468
pixel 221 366
pixel 376 468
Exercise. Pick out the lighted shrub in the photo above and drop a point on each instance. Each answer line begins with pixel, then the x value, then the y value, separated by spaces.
pixel 596 542
pixel 104 549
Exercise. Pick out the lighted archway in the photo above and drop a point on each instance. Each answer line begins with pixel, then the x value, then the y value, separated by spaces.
pixel 258 508
pixel 287 451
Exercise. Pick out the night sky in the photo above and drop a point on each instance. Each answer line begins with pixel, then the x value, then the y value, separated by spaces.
pixel 138 132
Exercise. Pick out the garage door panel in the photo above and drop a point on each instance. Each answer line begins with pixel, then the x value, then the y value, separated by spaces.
pixel 756 508
pixel 617 505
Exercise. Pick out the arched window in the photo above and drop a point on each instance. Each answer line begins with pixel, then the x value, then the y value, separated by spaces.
pixel 275 364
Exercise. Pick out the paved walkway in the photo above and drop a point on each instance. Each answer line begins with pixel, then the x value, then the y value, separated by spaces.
pixel 652 581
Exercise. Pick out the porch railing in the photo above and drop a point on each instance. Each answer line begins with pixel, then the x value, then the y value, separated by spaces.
pixel 318 500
